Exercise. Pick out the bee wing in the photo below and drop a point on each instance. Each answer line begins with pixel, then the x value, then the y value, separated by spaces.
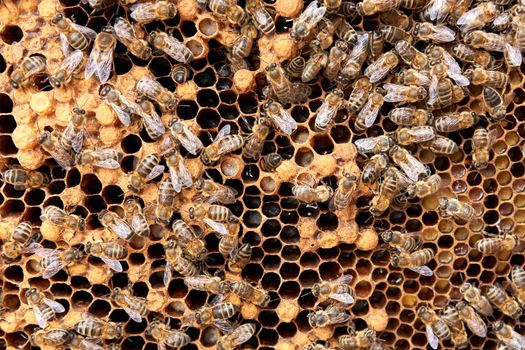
pixel 120 228
pixel 143 12
pixel 125 33
pixel 40 317
pixel 91 65
pixel 369 113
pixel 122 115
pixel 313 13
pixel 72 61
pixel 190 141
pixel 52 269
pixel 156 171
pixel 64 45
pixel 468 17
pixel 90 33
pixel 395 92
pixel 184 174
pixel 104 65
pixel 343 298
pixel 438 10
pixel 224 195
pixel 62 158
pixel 365 145
pixel 216 226
pixel 443 34
pixel 517 341
pixel 56 306
pixel 476 324
pixel 134 315
pixel 433 340
pixel 433 91
pixel 224 326
pixel 502 19
pixel 345 279
pixel 422 270
pixel 460 79
pixel 325 114
pixel 168 272
pixel 44 251
pixel 153 120
pixel 377 70
pixel 242 338
pixel 108 164
pixel 175 179
pixel 191 281
pixel 284 121
pixel 32 248
pixel 513 55
pixel 115 265
pixel 492 136
pixel 225 131
pixel 176 49
pixel 89 344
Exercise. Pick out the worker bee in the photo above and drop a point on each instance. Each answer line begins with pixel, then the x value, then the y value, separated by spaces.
pixel 401 240
pixel 410 165
pixel 223 143
pixel 441 145
pixel 495 244
pixel 22 179
pixel 136 218
pixel 166 336
pixel 438 10
pixel 134 306
pixel 194 248
pixel 109 253
pixel 100 61
pixel 171 46
pixel 470 55
pixel 343 193
pixel 356 57
pixel 237 337
pixel 459 8
pixel 364 339
pixel 153 90
pixel 255 141
pixel 476 300
pixel 333 314
pixel 22 241
pixel 494 42
pixel 295 66
pixel 260 16
pixel 71 65
pixel 410 55
pixel 482 142
pixel 279 116
pixel 104 158
pixel 505 303
pixel 376 144
pixel 239 258
pixel 307 21
pixel 214 285
pixel 414 77
pixel 165 199
pixel 229 241
pixel 440 93
pixel 393 34
pixel 371 7
pixel 126 35
pixel 234 13
pixel 494 103
pixel 478 17
pixel 455 121
pixel 212 215
pixel 373 168
pixel 315 64
pixel 51 145
pixel 508 336
pixel 242 47
pixel 404 94
pixel 176 261
pixel 180 73
pixel 359 95
pixel 121 105
pixel 338 290
pixel 458 335
pixel 183 134
pixel 415 134
pixel 518 284
pixel 336 58
pixel 54 260
pixel 343 30
pixel 270 162
pixel 333 102
pixel 382 199
pixel 147 170
pixel 216 313
pixel 93 327
pixel 472 319
pixel 425 187
pixel 435 327
pixel 437 33
pixel 455 208
pixel 414 261
pixel 368 114
pixel 147 12
pixel 408 116
pixel 179 174
pixel 71 34
pixel 211 192
pixel 280 85
pixel 54 337
pixel 45 309
pixel 380 68
pixel 251 294
pixel 72 138
pixel 115 224
pixel 150 119
pixel 60 218
pixel 307 191
pixel 492 78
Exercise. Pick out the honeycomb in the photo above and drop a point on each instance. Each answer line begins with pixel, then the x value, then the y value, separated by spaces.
pixel 295 244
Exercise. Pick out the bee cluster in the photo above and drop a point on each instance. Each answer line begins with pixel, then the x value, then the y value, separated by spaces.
pixel 218 174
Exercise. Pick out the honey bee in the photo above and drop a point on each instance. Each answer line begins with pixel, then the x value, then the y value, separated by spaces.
pixel 315 64
pixel 294 68
pixel 187 238
pixel 180 73
pixel 212 215
pixel 115 224
pixel 171 46
pixel 415 134
pixel 281 86
pixel 426 187
pixel 216 313
pixel 134 306
pixel 307 21
pixel 359 95
pixel 505 303
pixel 270 162
pixel 437 33
pixel 404 94
pixel 105 158
pixel 51 145
pixel 242 47
pixel 343 194
pixel 325 35
pixel 438 10
pixel 60 218
pixel 455 208
pixel 136 218
pixel 150 119
pixel 455 121
pixel 410 55
pixel 494 42
pixel 100 61
pixel 153 90
pixel 482 142
pixel 251 294
pixel 223 143
pixel 166 336
pixel 414 261
pixel 307 191
pixel 472 319
pixel 344 31
pixel 128 37
pixel 494 102
pixel 479 302
pixel 71 34
pixel 93 327
pixel 356 57
pixel 239 258
pixel 376 144
pixel 109 253
pixel 374 168
pixel 71 65
pixel 435 327
pixel 338 290
pixel 147 170
pixel 442 145
pixel 234 13
pixel 22 179
pixel 458 335
pixel 211 192
pixel 410 165
pixel 480 76
pixel 393 34
pixel 54 337
pixel 22 241
pixel 376 47
pixel 365 339
pixel 255 141
pixel 459 8
pixel 372 7
pixel 237 337
pixel 153 11
pixel 508 336
pixel 165 199
pixel 183 134
pixel 121 105
pixel 470 55
pixel 401 240
pixel 368 114
pixel 54 260
pixel 214 285
pixel 336 57
pixel 229 241
pixel 440 93
pixel 45 309
pixel 518 284
pixel 72 138
pixel 495 244
pixel 179 174
pixel 333 314
pixel 382 199
pixel 333 102
pixel 408 116
pixel 260 16
pixel 380 68
pixel 414 77
pixel 478 17
pixel 176 261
